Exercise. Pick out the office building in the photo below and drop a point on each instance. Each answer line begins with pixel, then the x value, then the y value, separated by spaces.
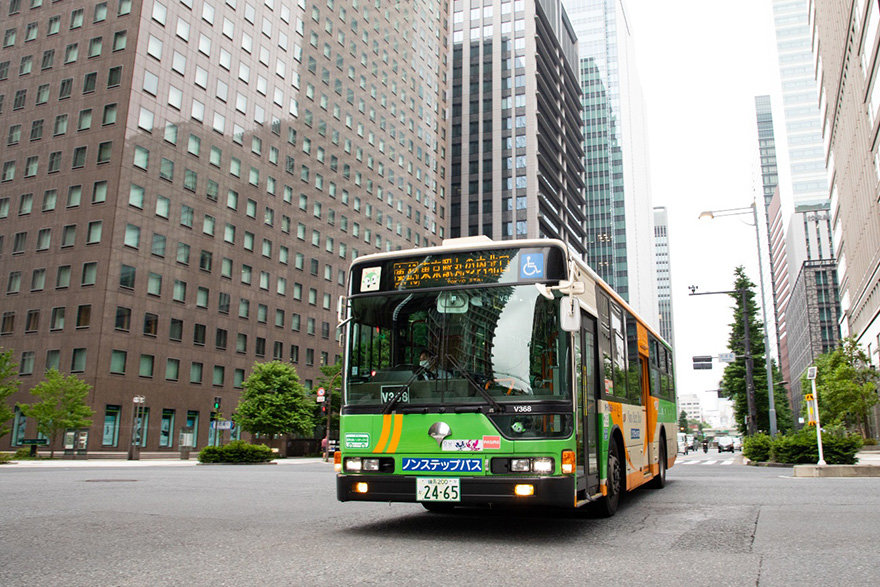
pixel 664 274
pixel 183 184
pixel 516 158
pixel 618 197
pixel 814 308
pixel 800 102
pixel 845 35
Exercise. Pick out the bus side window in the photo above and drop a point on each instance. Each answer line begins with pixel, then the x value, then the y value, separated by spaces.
pixel 634 373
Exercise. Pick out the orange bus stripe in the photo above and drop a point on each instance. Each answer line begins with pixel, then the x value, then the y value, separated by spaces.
pixel 395 437
pixel 383 438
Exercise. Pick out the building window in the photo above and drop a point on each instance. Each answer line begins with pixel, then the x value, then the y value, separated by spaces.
pixel 145 369
pixel 166 429
pixel 126 276
pixel 123 319
pixel 172 369
pixel 78 361
pixel 111 426
pixel 195 373
pixel 84 316
pixel 117 362
pixel 151 324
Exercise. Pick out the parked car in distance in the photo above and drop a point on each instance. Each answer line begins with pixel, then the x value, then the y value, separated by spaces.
pixel 725 444
pixel 737 443
pixel 683 446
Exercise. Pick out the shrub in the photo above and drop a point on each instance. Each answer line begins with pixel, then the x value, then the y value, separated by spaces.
pixel 5 457
pixel 757 447
pixel 797 448
pixel 838 447
pixel 237 451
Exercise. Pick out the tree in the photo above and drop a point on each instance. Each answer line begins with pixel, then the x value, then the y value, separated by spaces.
pixel 847 386
pixel 683 421
pixel 274 402
pixel 733 382
pixel 62 406
pixel 8 386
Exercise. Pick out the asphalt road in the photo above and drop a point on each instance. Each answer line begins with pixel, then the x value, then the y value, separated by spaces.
pixel 716 523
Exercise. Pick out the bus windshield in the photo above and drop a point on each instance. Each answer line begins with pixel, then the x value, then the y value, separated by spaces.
pixel 485 345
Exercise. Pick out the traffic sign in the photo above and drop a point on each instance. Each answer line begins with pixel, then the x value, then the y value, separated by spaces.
pixel 34 441
pixel 321 392
pixel 703 362
pixel 727 357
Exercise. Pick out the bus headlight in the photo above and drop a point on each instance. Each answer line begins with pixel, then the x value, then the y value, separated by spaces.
pixel 543 465
pixel 370 464
pixel 353 464
pixel 520 465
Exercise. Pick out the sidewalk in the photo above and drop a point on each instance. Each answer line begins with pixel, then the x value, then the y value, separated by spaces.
pixel 106 463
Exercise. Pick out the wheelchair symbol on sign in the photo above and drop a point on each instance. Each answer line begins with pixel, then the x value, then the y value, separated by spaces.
pixel 532 269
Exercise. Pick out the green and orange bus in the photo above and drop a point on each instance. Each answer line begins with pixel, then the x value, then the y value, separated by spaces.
pixel 498 372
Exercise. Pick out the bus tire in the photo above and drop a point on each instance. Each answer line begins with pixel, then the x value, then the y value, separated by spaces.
pixel 437 508
pixel 659 480
pixel 607 506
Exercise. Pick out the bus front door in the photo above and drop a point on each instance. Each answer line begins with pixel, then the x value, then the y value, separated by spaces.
pixel 589 438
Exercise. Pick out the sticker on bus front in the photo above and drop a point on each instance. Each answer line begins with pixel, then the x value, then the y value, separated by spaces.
pixel 357 440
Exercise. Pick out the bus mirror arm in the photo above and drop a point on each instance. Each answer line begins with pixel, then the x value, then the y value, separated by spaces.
pixel 341 304
pixel 571 288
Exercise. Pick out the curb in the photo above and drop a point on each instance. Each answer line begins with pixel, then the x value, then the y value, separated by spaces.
pixel 837 471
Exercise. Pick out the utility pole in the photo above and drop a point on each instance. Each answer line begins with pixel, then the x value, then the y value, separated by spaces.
pixel 752 417
pixel 750 378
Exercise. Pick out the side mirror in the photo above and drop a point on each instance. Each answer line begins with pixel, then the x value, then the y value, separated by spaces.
pixel 569 314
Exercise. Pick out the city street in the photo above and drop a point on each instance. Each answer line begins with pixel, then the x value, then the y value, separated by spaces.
pixel 717 522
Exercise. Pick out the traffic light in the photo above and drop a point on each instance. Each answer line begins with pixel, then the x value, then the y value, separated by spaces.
pixel 216 402
pixel 702 362
pixel 323 408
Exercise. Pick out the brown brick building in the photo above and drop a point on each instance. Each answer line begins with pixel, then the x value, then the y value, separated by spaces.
pixel 183 184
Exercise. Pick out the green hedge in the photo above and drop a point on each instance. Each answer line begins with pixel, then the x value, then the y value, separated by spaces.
pixel 757 447
pixel 838 447
pixel 237 451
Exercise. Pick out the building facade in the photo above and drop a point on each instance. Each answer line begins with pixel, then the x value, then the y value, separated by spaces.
pixel 184 183
pixel 845 40
pixel 800 102
pixel 814 306
pixel 516 155
pixel 664 274
pixel 619 209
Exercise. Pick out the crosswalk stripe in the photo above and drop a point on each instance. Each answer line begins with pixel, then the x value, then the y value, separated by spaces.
pixel 711 462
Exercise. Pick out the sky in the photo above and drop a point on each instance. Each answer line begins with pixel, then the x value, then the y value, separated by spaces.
pixel 701 63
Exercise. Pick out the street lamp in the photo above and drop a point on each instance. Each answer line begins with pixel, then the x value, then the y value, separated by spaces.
pixel 753 210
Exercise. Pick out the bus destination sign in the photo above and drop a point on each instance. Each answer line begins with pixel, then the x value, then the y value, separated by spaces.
pixel 464 269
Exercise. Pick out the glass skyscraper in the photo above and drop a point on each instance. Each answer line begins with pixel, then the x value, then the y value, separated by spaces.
pixel 619 215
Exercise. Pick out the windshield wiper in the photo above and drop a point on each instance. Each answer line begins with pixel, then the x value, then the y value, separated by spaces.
pixel 495 405
pixel 386 409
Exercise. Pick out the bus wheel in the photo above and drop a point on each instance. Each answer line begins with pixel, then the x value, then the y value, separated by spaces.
pixel 437 508
pixel 614 483
pixel 659 481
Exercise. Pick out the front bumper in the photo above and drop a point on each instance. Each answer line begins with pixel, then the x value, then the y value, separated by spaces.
pixel 549 491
